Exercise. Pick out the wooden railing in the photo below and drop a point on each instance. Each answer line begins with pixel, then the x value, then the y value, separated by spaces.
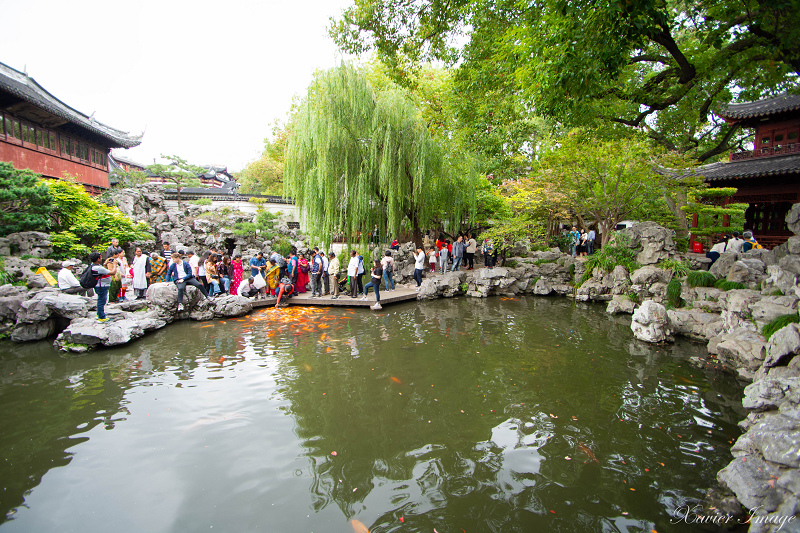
pixel 765 152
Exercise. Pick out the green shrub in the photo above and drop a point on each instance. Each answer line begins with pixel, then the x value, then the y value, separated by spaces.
pixel 679 268
pixel 682 244
pixel 609 257
pixel 543 261
pixel 633 296
pixel 674 292
pixel 511 264
pixel 67 245
pixel 701 278
pixel 777 292
pixel 464 287
pixel 201 201
pixel 779 323
pixel 282 245
pixel 726 285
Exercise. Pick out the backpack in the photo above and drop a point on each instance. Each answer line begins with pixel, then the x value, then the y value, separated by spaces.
pixel 88 280
pixel 389 268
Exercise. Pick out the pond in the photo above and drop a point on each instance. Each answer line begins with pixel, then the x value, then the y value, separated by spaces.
pixel 503 414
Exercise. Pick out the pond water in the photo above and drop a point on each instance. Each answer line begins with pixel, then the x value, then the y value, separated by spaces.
pixel 526 414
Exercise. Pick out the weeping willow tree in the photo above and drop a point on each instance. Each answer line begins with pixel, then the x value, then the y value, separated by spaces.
pixel 356 157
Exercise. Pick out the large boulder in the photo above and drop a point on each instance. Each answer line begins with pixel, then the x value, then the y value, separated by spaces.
pixel 650 275
pixel 655 242
pixel 742 351
pixel 771 307
pixel 86 333
pixel 33 332
pixel 620 305
pixel 694 324
pixel 34 243
pixel 232 305
pixel 783 345
pixel 47 302
pixel 793 219
pixel 650 322
pixel 723 264
pixel 746 271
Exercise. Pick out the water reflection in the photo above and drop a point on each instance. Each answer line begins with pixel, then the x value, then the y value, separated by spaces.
pixel 486 415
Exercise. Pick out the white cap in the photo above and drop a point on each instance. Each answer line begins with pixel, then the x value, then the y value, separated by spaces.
pixel 66 264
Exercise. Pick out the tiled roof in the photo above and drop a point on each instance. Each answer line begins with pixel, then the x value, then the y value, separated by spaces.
pixel 752 168
pixel 762 108
pixel 26 88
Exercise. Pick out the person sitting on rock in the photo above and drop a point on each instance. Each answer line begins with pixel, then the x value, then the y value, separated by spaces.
pixel 248 289
pixel 285 288
pixel 750 242
pixel 735 244
pixel 181 273
pixel 720 247
pixel 68 283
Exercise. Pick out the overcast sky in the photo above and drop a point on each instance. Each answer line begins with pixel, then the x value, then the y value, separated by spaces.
pixel 203 80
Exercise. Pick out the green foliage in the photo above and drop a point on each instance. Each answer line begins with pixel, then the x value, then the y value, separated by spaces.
pixel 608 258
pixel 633 296
pixel 543 261
pixel 680 268
pixel 128 178
pixel 504 233
pixel 25 202
pixel 265 175
pixel 358 156
pixel 776 324
pixel 674 293
pixel 649 64
pixel 201 201
pixel 80 222
pixel 709 206
pixel 701 278
pixel 282 245
pixel 562 242
pixel 726 285
pixel 67 244
pixel 177 172
pixel 464 287
pixel 511 264
pixel 682 244
pixel 777 292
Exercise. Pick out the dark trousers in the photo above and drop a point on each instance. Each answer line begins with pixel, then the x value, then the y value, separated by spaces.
pixel 360 281
pixel 353 286
pixel 315 284
pixel 79 290
pixel 376 284
pixel 326 283
pixel 418 276
pixel 469 259
pixel 194 283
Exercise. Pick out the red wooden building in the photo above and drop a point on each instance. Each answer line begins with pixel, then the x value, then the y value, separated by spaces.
pixel 768 176
pixel 40 132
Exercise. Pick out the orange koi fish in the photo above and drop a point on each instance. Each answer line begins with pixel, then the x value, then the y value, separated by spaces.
pixel 585 449
pixel 396 380
pixel 358 527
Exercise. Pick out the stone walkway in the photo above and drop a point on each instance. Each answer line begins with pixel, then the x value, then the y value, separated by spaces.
pixel 402 294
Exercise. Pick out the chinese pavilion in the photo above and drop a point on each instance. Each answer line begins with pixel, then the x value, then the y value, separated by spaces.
pixel 768 176
pixel 40 132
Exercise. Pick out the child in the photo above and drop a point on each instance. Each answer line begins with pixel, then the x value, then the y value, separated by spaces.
pixel 432 259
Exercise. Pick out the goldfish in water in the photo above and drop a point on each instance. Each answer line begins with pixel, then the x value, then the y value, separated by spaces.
pixel 585 449
pixel 358 527
pixel 396 380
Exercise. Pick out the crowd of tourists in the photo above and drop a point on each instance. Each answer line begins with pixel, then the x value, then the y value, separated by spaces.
pixel 581 243
pixel 114 279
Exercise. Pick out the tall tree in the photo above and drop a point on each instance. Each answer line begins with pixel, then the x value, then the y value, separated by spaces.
pixel 357 157
pixel 25 202
pixel 602 182
pixel 657 66
pixel 265 175
pixel 177 172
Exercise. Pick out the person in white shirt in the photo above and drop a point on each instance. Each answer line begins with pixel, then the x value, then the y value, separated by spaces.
pixel 715 251
pixel 248 289
pixel 735 244
pixel 419 264
pixel 472 247
pixel 68 283
pixel 352 272
pixel 194 262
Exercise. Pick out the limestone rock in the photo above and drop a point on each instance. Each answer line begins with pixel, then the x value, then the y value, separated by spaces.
pixel 232 305
pixel 769 394
pixel 784 342
pixel 427 290
pixel 91 333
pixel 743 351
pixel 33 332
pixel 722 265
pixel 746 271
pixel 34 243
pixel 51 301
pixel 649 275
pixel 10 306
pixel 619 305
pixel 771 307
pixel 650 322
pixel 654 241
pixel 542 287
pixel 694 324
pixel 793 219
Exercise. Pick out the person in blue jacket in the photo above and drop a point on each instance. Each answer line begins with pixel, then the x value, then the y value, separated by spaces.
pixel 181 273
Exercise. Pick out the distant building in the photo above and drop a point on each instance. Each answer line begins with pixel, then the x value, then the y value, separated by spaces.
pixel 768 176
pixel 40 132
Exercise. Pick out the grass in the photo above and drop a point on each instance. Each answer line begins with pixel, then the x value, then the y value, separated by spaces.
pixel 701 278
pixel 779 323
pixel 512 264
pixel 632 296
pixel 777 292
pixel 543 261
pixel 674 293
pixel 726 285
pixel 679 268
pixel 201 201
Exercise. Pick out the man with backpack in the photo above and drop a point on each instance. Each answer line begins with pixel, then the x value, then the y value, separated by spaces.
pixel 97 276
pixel 750 242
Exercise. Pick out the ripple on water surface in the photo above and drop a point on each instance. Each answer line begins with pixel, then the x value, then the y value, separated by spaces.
pixel 513 414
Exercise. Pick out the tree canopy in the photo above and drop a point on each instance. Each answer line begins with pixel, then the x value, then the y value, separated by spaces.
pixel 25 202
pixel 178 172
pixel 661 67
pixel 265 174
pixel 358 156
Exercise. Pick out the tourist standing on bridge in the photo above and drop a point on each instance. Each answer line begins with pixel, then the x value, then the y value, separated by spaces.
pixel 292 266
pixel 258 265
pixel 419 264
pixel 352 272
pixel 375 282
pixel 326 279
pixel 387 264
pixel 238 273
pixel 303 269
pixel 333 271
pixel 317 265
